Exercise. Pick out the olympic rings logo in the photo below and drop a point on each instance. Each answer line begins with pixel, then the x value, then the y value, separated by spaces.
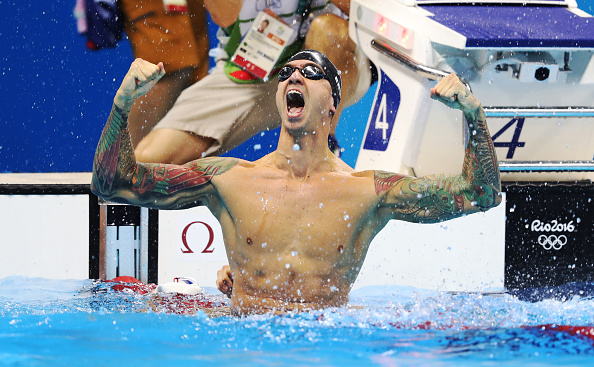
pixel 552 241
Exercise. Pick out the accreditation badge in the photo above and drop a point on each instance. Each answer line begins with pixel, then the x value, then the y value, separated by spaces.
pixel 175 6
pixel 263 45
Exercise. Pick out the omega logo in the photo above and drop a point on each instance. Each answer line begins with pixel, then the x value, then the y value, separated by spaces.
pixel 207 249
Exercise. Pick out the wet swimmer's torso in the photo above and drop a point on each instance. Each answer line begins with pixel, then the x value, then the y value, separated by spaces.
pixel 298 222
pixel 299 242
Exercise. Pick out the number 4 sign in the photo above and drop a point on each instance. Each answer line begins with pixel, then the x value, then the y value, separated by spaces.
pixel 515 141
pixel 382 118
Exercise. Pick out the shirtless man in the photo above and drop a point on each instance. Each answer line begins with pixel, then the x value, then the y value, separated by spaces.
pixel 297 223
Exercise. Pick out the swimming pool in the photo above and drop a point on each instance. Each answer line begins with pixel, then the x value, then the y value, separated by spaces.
pixel 56 322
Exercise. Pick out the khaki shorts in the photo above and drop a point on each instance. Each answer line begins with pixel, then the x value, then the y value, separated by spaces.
pixel 169 38
pixel 218 108
pixel 231 113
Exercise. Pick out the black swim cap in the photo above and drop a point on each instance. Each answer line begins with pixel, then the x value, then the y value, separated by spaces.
pixel 329 69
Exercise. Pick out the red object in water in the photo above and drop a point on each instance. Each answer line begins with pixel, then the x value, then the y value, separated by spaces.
pixel 183 304
pixel 125 279
pixel 579 331
pixel 132 284
pixel 176 303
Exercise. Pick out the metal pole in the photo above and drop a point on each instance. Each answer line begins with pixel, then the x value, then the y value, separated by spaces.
pixel 547 166
pixel 490 111
pixel 546 112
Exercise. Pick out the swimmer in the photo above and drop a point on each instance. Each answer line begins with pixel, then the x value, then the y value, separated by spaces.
pixel 298 222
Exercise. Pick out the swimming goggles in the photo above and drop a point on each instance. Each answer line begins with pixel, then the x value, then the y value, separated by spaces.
pixel 311 72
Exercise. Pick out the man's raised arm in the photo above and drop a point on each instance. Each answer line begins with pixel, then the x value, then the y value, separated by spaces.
pixel 436 198
pixel 118 177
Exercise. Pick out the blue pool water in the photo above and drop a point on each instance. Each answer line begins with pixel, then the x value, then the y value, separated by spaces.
pixel 60 323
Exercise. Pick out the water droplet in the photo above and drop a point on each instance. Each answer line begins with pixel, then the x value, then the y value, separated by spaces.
pixel 296 147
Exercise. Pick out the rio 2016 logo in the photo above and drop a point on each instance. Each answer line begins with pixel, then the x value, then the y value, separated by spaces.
pixel 553 226
pixel 552 241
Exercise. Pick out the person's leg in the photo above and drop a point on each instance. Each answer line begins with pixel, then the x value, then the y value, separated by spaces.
pixel 153 106
pixel 209 118
pixel 171 146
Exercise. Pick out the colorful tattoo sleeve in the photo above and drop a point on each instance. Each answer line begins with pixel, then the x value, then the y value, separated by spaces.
pixel 168 179
pixel 116 174
pixel 441 197
pixel 481 169
pixel 112 151
pixel 385 180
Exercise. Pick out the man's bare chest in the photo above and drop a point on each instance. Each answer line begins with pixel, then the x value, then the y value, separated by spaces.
pixel 317 207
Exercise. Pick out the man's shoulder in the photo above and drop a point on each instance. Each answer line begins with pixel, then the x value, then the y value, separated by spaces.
pixel 382 180
pixel 218 165
pixel 377 174
pixel 363 174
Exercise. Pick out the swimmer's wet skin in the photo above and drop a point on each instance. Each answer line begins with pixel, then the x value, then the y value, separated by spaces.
pixel 298 222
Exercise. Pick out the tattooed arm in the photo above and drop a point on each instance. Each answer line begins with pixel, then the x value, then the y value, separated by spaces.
pixel 437 198
pixel 118 177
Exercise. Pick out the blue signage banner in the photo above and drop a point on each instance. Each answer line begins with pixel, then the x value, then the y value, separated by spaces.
pixel 383 116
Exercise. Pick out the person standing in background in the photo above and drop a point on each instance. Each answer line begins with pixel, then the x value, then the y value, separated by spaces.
pixel 230 105
pixel 176 33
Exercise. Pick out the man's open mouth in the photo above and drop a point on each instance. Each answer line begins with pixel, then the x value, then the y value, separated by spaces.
pixel 295 103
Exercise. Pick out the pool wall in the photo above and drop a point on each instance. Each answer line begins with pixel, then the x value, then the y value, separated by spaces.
pixel 61 230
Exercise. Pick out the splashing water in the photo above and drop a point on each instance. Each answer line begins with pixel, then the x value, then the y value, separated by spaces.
pixel 48 322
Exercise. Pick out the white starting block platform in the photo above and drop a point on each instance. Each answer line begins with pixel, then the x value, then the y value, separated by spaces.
pixel 529 63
